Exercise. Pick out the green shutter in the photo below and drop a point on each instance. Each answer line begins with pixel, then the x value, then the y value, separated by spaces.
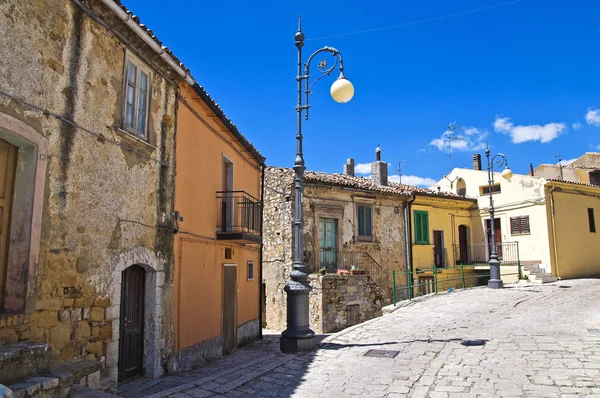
pixel 367 221
pixel 421 227
pixel 361 221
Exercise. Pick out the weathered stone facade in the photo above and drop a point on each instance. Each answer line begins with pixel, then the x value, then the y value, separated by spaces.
pixel 101 197
pixel 339 301
pixel 386 251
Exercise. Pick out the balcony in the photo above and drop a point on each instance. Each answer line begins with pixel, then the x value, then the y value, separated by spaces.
pixel 479 253
pixel 343 260
pixel 240 217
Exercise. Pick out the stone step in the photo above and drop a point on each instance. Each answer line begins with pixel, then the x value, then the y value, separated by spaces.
pixel 86 392
pixel 543 279
pixel 23 360
pixel 58 381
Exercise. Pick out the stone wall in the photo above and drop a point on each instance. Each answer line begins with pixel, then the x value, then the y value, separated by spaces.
pixel 388 247
pixel 333 295
pixel 104 191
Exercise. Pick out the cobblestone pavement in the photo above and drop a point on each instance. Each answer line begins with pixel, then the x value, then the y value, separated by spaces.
pixel 526 340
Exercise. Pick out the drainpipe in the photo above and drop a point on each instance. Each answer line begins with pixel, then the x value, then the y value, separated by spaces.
pixel 260 272
pixel 407 233
pixel 554 231
pixel 146 38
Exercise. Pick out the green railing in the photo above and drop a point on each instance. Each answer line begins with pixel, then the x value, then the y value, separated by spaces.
pixel 432 280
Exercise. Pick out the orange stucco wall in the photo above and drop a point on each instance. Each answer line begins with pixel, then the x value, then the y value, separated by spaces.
pixel 202 142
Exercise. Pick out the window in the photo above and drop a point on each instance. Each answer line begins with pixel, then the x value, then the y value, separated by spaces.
pixel 250 270
pixel 421 227
pixel 228 253
pixel 136 98
pixel 595 177
pixel 591 220
pixel 365 232
pixel 485 189
pixel 519 225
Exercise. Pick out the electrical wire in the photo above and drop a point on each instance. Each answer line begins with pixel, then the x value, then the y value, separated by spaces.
pixel 419 22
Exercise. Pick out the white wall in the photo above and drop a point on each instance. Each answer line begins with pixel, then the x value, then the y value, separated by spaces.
pixel 522 195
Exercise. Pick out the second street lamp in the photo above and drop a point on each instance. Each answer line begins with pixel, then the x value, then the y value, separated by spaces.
pixel 498 160
pixel 298 336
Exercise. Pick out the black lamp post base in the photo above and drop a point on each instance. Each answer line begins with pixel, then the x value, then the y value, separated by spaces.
pixel 495 284
pixel 290 345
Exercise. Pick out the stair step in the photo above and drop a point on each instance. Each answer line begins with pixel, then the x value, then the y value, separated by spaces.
pixel 544 279
pixel 81 392
pixel 23 360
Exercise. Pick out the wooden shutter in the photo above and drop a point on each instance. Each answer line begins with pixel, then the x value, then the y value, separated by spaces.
pixel 368 221
pixel 519 225
pixel 421 227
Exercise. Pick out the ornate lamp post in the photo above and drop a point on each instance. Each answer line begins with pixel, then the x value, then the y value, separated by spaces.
pixel 497 160
pixel 298 336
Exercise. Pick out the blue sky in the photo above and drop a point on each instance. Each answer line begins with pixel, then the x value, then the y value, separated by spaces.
pixel 523 76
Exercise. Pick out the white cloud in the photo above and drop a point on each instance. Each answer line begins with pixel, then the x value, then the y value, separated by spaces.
pixel 413 180
pixel 362 168
pixel 471 139
pixel 577 126
pixel 592 117
pixel 533 132
pixel 566 162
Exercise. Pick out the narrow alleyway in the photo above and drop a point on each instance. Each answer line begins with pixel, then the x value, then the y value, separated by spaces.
pixel 520 341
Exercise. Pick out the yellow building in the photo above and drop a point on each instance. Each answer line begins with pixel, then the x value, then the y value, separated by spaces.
pixel 441 235
pixel 573 238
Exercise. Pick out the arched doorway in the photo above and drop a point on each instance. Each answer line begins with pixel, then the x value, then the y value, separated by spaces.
pixel 463 245
pixel 131 343
pixel 461 187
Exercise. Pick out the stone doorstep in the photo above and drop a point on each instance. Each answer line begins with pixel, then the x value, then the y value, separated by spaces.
pixel 23 360
pixel 63 377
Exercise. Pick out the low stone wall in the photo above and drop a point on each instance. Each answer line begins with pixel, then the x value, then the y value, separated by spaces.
pixel 339 301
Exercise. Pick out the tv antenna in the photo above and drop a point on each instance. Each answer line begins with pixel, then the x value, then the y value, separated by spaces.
pixel 560 165
pixel 400 169
pixel 449 137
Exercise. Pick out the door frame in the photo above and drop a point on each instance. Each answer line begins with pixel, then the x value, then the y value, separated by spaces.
pixel 442 244
pixel 465 244
pixel 326 211
pixel 337 239
pixel 235 312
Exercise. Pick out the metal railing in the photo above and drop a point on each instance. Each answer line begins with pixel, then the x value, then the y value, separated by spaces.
pixel 440 257
pixel 331 260
pixel 239 212
pixel 406 284
pixel 479 253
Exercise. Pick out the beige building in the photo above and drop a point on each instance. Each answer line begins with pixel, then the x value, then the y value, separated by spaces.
pixel 584 170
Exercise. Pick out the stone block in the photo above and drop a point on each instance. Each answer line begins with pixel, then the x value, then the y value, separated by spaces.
pixel 60 335
pixel 105 332
pixel 86 313
pixel 64 315
pixel 76 314
pixel 82 302
pixel 47 287
pixel 102 302
pixel 68 302
pixel 96 314
pixel 34 335
pixel 95 330
pixel 93 380
pixel 83 330
pixel 94 348
pixel 8 336
pixel 116 329
pixel 46 383
pixel 112 312
pixel 112 351
pixel 44 319
pixel 160 279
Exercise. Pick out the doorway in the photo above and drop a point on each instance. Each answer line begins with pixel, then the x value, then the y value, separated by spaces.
pixel 229 308
pixel 131 342
pixel 498 237
pixel 328 243
pixel 439 259
pixel 463 245
pixel 8 160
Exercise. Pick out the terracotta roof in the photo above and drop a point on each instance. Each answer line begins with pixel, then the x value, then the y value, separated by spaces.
pixel 199 89
pixel 393 188
pixel 573 183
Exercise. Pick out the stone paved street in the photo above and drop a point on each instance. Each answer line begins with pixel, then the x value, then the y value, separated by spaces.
pixel 532 341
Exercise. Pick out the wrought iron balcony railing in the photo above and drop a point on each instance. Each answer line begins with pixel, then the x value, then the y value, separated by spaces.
pixel 240 217
pixel 479 253
pixel 333 260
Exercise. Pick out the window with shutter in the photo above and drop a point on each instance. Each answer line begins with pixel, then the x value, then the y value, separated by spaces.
pixel 519 225
pixel 365 223
pixel 421 222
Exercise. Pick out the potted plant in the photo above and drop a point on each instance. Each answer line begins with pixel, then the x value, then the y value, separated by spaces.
pixel 322 270
pixel 356 271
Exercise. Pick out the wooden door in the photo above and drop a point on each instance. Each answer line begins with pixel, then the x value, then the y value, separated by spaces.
pixel 438 248
pixel 498 237
pixel 463 246
pixel 131 341
pixel 8 159
pixel 328 243
pixel 229 308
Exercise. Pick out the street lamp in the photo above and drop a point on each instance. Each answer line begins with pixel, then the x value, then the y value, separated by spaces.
pixel 298 336
pixel 498 160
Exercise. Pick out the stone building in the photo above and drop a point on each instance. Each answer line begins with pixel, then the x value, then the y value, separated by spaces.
pixel 87 127
pixel 583 170
pixel 349 222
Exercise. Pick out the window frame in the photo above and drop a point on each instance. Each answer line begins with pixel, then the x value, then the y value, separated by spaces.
pixel 420 228
pixel 250 266
pixel 483 188
pixel 591 220
pixel 519 230
pixel 141 67
pixel 359 237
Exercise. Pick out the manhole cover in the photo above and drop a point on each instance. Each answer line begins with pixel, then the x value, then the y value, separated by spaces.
pixel 594 331
pixel 477 342
pixel 381 353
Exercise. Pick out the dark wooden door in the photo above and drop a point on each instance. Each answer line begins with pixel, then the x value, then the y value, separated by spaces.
pixel 229 308
pixel 498 236
pixel 438 248
pixel 463 246
pixel 8 159
pixel 131 342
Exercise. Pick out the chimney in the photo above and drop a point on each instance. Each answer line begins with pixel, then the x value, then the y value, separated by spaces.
pixel 531 169
pixel 349 167
pixel 379 170
pixel 477 162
